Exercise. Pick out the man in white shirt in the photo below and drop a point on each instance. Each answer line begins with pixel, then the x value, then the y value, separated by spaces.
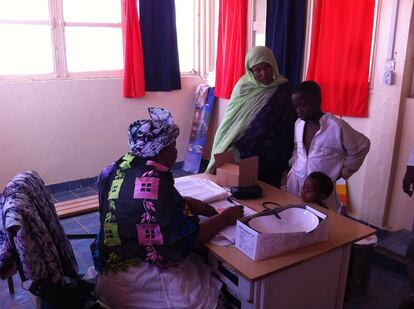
pixel 323 143
pixel 408 187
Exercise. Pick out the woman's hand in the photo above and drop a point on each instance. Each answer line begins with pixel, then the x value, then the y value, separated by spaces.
pixel 199 207
pixel 213 225
pixel 233 213
pixel 213 169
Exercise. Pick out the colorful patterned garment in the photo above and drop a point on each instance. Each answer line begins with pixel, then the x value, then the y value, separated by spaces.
pixel 271 136
pixel 31 231
pixel 143 217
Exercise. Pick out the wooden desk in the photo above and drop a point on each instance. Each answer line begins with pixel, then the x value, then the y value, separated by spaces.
pixel 310 277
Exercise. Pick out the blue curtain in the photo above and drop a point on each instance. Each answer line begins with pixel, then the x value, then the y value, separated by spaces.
pixel 285 33
pixel 159 44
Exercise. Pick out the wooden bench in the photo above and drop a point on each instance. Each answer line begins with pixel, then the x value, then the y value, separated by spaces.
pixel 77 207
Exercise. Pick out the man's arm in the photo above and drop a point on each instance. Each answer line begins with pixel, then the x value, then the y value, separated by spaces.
pixel 295 143
pixel 356 146
pixel 408 180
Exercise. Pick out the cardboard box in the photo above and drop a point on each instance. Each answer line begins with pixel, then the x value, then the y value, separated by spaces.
pixel 231 174
pixel 259 246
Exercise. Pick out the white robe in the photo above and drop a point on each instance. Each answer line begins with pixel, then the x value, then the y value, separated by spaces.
pixel 190 285
pixel 336 149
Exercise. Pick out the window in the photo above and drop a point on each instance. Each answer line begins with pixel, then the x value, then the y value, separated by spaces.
pixel 186 20
pixel 197 28
pixel 25 36
pixel 258 21
pixel 47 39
pixel 60 38
pixel 93 35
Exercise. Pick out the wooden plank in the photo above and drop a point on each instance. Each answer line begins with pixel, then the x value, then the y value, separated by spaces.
pixel 70 202
pixel 76 203
pixel 77 207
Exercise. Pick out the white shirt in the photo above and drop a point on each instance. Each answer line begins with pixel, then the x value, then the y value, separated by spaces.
pixel 411 158
pixel 336 149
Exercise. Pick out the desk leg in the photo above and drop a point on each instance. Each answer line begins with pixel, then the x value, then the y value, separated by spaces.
pixel 346 253
pixel 11 285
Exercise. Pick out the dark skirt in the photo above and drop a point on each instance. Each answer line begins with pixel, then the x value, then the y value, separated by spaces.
pixel 271 136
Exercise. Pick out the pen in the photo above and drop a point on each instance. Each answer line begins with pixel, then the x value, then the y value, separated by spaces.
pixel 232 201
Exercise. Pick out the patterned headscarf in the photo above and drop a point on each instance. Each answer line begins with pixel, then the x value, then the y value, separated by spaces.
pixel 148 136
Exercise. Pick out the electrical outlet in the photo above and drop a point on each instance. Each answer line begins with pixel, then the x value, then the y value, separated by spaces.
pixel 388 77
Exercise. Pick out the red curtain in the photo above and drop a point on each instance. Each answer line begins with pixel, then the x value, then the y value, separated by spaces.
pixel 231 45
pixel 340 51
pixel 134 83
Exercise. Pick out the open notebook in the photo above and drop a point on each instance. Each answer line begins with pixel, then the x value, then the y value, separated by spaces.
pixel 201 189
pixel 209 192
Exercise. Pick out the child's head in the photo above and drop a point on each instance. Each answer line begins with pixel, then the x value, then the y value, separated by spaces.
pixel 306 99
pixel 317 187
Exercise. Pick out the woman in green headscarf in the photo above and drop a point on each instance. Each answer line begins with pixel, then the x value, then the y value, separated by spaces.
pixel 260 118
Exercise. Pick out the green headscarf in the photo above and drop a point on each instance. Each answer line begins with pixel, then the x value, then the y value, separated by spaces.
pixel 248 98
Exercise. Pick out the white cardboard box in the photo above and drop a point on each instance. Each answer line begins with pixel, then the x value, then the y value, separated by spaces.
pixel 259 246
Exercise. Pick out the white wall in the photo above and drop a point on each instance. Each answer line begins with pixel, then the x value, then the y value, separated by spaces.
pixel 71 129
pixel 371 187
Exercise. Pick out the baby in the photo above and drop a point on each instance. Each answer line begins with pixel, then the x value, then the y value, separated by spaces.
pixel 317 187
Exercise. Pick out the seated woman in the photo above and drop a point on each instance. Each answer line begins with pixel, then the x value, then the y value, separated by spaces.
pixel 148 230
pixel 260 118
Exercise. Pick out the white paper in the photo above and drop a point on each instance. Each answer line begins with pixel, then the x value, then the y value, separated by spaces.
pixel 229 232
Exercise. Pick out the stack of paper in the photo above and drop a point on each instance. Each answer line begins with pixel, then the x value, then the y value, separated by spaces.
pixel 201 189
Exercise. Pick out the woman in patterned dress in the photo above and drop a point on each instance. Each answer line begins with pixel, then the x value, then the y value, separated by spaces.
pixel 148 229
